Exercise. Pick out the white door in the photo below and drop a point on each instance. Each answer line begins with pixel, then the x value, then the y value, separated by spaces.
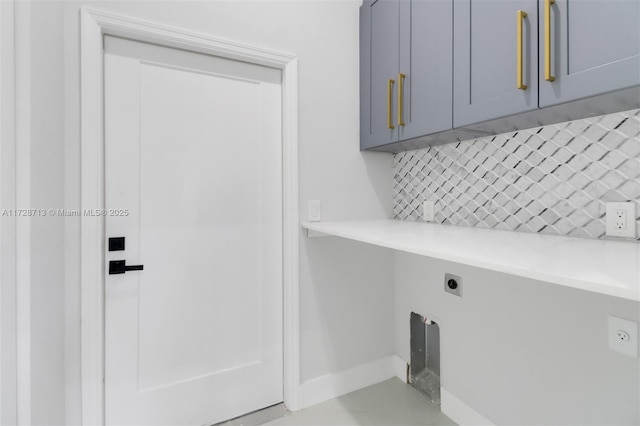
pixel 193 183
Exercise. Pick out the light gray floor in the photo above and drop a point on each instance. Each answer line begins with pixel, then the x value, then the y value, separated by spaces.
pixel 390 403
pixel 259 417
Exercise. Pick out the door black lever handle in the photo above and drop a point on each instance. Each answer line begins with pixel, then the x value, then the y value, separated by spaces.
pixel 120 267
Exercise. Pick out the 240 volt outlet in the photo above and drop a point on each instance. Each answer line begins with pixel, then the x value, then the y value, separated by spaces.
pixel 453 284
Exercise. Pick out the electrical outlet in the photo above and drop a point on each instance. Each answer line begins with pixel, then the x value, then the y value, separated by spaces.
pixel 453 284
pixel 314 211
pixel 428 211
pixel 621 219
pixel 623 336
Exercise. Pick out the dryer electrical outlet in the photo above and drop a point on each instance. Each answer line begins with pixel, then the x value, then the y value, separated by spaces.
pixel 453 284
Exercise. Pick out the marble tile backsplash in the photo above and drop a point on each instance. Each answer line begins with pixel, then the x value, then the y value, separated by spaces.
pixel 554 179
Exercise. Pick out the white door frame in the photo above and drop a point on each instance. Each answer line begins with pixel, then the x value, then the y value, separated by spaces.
pixel 94 26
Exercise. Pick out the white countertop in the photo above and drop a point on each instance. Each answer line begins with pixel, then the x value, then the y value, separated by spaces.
pixel 605 267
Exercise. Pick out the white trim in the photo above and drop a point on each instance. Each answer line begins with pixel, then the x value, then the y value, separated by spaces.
pixel 460 412
pixel 291 235
pixel 8 332
pixel 334 385
pixel 94 25
pixel 91 231
pixel 22 34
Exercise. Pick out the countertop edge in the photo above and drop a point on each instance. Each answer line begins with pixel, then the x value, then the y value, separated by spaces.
pixel 563 280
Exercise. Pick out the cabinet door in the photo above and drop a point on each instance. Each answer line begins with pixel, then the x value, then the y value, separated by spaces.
pixel 594 48
pixel 426 57
pixel 379 38
pixel 485 59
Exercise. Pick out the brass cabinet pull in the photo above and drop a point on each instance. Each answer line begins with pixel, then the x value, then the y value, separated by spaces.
pixel 519 71
pixel 389 111
pixel 547 40
pixel 401 78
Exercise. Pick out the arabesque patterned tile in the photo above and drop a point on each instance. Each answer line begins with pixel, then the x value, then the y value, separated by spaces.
pixel 554 179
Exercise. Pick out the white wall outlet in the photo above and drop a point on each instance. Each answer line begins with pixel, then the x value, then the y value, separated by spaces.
pixel 623 336
pixel 314 211
pixel 428 211
pixel 621 219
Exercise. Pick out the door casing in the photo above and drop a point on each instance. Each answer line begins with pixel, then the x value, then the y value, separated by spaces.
pixel 95 25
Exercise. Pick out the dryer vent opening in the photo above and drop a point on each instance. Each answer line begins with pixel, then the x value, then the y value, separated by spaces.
pixel 425 357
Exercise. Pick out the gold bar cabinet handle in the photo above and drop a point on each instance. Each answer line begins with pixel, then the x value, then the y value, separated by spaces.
pixel 389 111
pixel 401 78
pixel 519 71
pixel 547 40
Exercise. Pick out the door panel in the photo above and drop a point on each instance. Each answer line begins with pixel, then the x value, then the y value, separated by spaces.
pixel 485 59
pixel 224 213
pixel 595 48
pixel 379 65
pixel 426 58
pixel 193 152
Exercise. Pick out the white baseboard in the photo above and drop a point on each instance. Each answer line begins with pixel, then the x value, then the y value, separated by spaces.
pixel 334 385
pixel 400 367
pixel 460 412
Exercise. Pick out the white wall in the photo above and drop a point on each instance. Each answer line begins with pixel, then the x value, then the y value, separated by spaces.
pixel 346 311
pixel 520 351
pixel 39 184
pixel 491 336
pixel 7 223
pixel 346 317
pixel 47 233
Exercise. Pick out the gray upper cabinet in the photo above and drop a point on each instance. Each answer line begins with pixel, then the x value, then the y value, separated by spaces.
pixel 508 62
pixel 590 47
pixel 495 58
pixel 379 56
pixel 426 59
pixel 405 70
pixel 437 71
